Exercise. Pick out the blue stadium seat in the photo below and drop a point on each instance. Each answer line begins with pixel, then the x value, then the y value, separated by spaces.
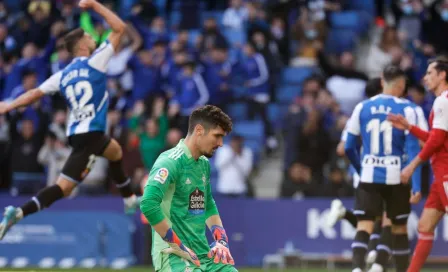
pixel 175 18
pixel 256 148
pixel 296 75
pixel 235 36
pixel 238 91
pixel 340 40
pixel 357 21
pixel 276 114
pixel 237 111
pixel 286 93
pixel 250 130
pixel 364 5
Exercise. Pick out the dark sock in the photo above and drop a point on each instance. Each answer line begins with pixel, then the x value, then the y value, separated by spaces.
pixel 122 182
pixel 383 247
pixel 351 218
pixel 375 236
pixel 43 199
pixel 401 251
pixel 359 247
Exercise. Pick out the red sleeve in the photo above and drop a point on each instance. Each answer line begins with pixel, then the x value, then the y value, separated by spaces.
pixel 435 141
pixel 419 133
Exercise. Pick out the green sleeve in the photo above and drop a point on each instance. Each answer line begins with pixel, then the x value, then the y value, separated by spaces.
pixel 211 208
pixel 86 24
pixel 160 178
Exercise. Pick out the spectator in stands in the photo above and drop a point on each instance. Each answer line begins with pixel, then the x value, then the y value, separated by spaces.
pixel 417 94
pixel 171 72
pixel 63 58
pixel 344 82
pixel 408 14
pixel 70 14
pixel 256 76
pixel 217 76
pixel 132 159
pixel 336 186
pixel 314 142
pixel 153 136
pixel 117 67
pixel 235 15
pixel 95 181
pixel 192 93
pixel 145 9
pixel 146 77
pixel 436 23
pixel 255 19
pixel 53 155
pixel 299 182
pixel 211 36
pixel 58 125
pixel 27 138
pixel 172 138
pixel 40 24
pixel 5 154
pixel 280 37
pixel 234 165
pixel 155 33
pixel 387 51
pixel 7 43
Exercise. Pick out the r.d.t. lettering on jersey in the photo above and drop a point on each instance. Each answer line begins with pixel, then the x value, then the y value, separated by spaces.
pixel 83 85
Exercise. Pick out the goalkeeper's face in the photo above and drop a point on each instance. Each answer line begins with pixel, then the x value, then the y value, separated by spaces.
pixel 209 141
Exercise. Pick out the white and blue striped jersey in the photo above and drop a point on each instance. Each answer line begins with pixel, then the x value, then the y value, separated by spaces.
pixel 83 85
pixel 383 147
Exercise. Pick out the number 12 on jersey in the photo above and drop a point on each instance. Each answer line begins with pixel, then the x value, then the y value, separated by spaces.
pixel 375 127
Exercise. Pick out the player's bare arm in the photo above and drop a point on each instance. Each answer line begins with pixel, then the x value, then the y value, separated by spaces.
pixel 117 25
pixel 23 100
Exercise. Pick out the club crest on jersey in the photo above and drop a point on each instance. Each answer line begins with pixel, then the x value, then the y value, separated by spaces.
pixel 162 175
pixel 197 202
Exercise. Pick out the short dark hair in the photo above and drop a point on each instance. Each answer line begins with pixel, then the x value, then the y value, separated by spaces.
pixel 209 117
pixel 27 73
pixel 441 65
pixel 373 87
pixel 72 38
pixel 392 72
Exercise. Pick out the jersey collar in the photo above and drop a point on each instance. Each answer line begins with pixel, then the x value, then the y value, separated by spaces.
pixel 185 148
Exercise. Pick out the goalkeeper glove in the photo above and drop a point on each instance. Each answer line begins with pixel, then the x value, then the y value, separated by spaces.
pixel 178 248
pixel 220 247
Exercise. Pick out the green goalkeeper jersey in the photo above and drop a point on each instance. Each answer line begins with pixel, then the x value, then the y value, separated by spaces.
pixel 178 189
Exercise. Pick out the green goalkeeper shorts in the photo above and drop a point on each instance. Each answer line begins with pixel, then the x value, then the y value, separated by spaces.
pixel 173 263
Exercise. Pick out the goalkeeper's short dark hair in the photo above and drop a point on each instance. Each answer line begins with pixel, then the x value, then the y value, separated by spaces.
pixel 209 117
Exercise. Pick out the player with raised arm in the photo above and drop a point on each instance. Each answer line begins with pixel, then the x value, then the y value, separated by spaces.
pixel 436 148
pixel 178 203
pixel 380 164
pixel 83 84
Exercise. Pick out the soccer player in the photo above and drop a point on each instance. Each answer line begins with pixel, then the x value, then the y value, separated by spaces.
pixel 381 162
pixel 436 80
pixel 178 203
pixel 83 84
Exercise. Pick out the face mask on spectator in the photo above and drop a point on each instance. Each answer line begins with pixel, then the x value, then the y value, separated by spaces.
pixel 444 14
pixel 407 9
pixel 311 33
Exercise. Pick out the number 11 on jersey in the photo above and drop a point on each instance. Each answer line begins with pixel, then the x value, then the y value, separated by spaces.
pixel 376 127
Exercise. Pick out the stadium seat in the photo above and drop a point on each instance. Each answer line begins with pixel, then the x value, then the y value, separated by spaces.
pixel 357 21
pixel 287 93
pixel 175 18
pixel 235 36
pixel 276 113
pixel 340 40
pixel 364 5
pixel 296 75
pixel 237 111
pixel 250 130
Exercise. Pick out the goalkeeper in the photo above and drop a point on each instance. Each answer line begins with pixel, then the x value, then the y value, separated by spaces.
pixel 178 203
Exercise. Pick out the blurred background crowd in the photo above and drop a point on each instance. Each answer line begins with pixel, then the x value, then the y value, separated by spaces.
pixel 289 73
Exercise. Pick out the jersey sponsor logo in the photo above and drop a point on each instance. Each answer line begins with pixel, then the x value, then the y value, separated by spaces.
pixel 162 175
pixel 87 112
pixel 374 161
pixel 197 202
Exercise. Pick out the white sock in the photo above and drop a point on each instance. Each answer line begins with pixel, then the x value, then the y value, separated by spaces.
pixel 19 214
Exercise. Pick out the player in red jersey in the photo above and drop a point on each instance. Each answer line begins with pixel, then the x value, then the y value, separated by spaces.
pixel 436 148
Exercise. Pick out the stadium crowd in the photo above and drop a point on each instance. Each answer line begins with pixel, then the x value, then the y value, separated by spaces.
pixel 292 66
